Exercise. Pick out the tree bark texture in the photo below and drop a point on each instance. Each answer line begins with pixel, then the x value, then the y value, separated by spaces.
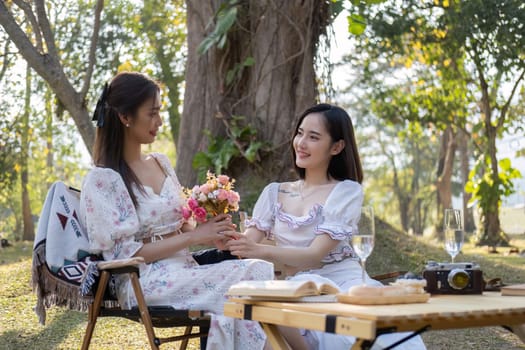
pixel 281 36
pixel 491 232
pixel 416 221
pixel 464 155
pixel 445 171
pixel 27 216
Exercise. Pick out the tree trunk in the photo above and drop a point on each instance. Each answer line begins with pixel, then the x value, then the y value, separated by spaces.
pixel 445 169
pixel 465 169
pixel 417 224
pixel 281 37
pixel 491 234
pixel 49 134
pixel 27 217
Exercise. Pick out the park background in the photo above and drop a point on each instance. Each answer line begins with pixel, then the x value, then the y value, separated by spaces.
pixel 435 90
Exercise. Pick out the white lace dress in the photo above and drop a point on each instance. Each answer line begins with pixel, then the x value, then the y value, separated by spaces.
pixel 116 228
pixel 337 217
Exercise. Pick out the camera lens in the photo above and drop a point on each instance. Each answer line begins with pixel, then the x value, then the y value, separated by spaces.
pixel 458 279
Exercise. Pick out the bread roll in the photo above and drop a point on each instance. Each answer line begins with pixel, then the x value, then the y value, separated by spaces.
pixel 391 291
pixel 368 291
pixel 411 286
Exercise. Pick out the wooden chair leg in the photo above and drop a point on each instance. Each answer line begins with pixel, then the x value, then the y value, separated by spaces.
pixel 94 309
pixel 144 313
pixel 184 342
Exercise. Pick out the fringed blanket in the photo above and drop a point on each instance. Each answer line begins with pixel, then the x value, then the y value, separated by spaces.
pixel 60 253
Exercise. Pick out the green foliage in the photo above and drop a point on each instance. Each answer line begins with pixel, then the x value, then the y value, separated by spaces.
pixel 236 71
pixel 9 149
pixel 241 142
pixel 456 57
pixel 486 190
pixel 358 9
pixel 226 17
pixel 217 157
pixel 356 24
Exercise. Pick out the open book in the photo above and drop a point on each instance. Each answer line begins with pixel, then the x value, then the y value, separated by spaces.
pixel 515 289
pixel 285 290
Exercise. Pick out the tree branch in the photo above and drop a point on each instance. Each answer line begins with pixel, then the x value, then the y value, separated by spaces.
pixel 6 60
pixel 45 27
pixel 506 106
pixel 485 98
pixel 19 38
pixel 34 23
pixel 92 50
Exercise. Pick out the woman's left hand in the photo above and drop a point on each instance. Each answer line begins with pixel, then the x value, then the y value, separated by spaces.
pixel 242 246
pixel 221 243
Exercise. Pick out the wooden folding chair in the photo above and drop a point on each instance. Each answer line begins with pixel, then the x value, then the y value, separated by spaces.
pixel 53 289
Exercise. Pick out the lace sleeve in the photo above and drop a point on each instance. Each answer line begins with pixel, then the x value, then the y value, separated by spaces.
pixel 108 214
pixel 341 211
pixel 263 217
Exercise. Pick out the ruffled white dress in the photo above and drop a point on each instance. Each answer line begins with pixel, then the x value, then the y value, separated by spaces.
pixel 116 228
pixel 337 217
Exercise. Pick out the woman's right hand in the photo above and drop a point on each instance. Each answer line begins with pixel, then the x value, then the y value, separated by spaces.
pixel 214 229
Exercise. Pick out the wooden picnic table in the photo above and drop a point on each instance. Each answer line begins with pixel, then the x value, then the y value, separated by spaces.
pixel 366 322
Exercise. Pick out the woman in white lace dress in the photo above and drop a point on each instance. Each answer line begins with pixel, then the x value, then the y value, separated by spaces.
pixel 313 218
pixel 131 206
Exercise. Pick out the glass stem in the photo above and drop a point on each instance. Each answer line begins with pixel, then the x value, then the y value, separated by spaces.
pixel 363 263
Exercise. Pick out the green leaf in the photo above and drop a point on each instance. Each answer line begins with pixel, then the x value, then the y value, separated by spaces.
pixel 251 152
pixel 249 61
pixel 356 24
pixel 206 44
pixel 201 161
pixel 226 17
pixel 226 20
pixel 504 164
pixel 230 75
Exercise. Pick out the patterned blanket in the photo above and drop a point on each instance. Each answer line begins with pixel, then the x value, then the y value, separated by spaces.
pixel 61 246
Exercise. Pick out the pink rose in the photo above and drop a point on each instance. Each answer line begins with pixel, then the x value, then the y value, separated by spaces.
pixel 233 197
pixel 223 179
pixel 186 213
pixel 193 204
pixel 196 190
pixel 222 195
pixel 200 214
pixel 205 189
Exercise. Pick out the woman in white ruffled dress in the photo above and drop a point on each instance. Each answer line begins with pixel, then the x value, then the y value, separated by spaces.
pixel 312 219
pixel 131 206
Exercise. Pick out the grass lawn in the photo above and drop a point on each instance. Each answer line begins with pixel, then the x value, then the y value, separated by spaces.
pixel 19 327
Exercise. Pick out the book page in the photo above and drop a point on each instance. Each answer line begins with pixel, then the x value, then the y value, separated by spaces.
pixel 515 289
pixel 325 298
pixel 282 288
pixel 325 288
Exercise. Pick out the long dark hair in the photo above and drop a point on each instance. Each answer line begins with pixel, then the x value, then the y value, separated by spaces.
pixel 124 95
pixel 346 164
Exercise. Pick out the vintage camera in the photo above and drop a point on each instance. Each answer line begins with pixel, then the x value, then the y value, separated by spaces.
pixel 453 278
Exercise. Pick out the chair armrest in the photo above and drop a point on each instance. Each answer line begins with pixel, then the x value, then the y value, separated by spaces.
pixel 116 264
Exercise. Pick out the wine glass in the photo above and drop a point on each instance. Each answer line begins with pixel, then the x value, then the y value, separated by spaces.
pixel 363 239
pixel 239 218
pixel 454 236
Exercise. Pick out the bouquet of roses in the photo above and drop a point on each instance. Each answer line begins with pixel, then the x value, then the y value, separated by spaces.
pixel 216 196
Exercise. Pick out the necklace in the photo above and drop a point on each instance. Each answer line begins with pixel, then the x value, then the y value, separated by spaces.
pixel 313 190
pixel 301 190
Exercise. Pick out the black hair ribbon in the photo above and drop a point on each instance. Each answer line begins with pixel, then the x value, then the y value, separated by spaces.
pixel 100 109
